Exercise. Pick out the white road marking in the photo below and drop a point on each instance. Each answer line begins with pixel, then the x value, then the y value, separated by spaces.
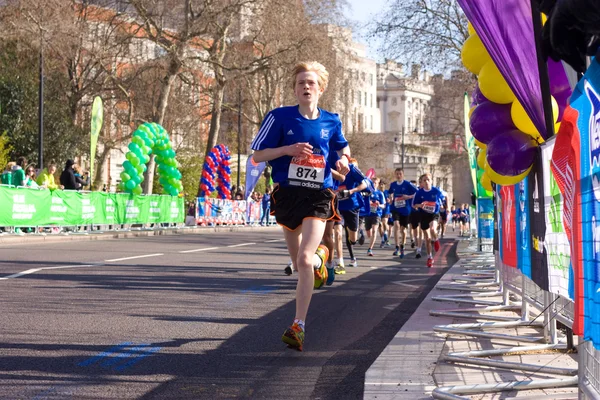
pixel 274 240
pixel 196 250
pixel 241 245
pixel 134 257
pixel 34 270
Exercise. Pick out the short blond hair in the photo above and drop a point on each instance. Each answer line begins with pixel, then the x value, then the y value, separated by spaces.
pixel 311 66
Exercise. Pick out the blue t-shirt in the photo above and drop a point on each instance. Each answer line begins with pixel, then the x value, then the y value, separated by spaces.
pixel 464 212
pixel 397 190
pixel 387 210
pixel 376 199
pixel 333 158
pixel 354 178
pixel 286 126
pixel 430 200
pixel 456 213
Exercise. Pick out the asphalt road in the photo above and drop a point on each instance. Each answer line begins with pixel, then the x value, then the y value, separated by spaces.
pixel 193 317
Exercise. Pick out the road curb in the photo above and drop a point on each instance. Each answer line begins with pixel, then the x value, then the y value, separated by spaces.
pixel 53 238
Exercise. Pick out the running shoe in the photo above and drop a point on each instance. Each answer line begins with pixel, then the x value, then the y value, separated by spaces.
pixel 370 253
pixel 396 252
pixel 321 270
pixel 436 245
pixel 387 244
pixel 330 276
pixel 361 238
pixel 294 337
pixel 353 263
pixel 401 253
pixel 340 269
pixel 412 244
pixel 429 262
pixel 418 254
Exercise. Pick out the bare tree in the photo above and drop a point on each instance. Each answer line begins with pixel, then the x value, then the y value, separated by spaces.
pixel 429 32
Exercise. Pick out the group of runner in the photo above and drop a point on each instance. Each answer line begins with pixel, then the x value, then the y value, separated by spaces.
pixel 314 176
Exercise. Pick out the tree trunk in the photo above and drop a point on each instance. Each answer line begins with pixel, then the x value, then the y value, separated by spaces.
pixel 163 102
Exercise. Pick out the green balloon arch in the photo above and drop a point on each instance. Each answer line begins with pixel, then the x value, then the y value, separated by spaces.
pixel 148 139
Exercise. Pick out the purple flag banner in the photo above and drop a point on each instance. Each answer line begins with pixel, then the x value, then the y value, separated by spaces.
pixel 506 30
pixel 253 171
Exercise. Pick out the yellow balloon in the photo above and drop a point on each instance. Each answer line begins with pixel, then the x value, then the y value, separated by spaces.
pixel 485 181
pixel 506 180
pixel 471 30
pixel 556 127
pixel 544 19
pixel 473 54
pixel 493 85
pixel 481 158
pixel 524 123
pixel 479 144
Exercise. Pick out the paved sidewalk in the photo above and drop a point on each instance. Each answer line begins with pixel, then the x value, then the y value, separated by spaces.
pixel 410 366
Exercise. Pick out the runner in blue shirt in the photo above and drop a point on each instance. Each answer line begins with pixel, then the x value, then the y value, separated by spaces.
pixel 296 141
pixel 377 204
pixel 349 206
pixel 428 200
pixel 385 226
pixel 455 216
pixel 465 220
pixel 400 194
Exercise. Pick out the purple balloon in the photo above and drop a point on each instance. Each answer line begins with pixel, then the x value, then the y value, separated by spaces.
pixel 478 97
pixel 558 78
pixel 489 119
pixel 511 153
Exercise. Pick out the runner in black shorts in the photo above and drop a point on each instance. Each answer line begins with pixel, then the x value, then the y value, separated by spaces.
pixel 296 141
pixel 428 200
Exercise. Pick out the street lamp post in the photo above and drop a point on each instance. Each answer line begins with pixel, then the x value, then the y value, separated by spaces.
pixel 239 137
pixel 41 106
pixel 402 147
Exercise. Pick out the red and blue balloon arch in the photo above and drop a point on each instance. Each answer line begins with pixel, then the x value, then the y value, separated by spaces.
pixel 216 164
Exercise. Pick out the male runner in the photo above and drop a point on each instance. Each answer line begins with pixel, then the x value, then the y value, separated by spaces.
pixel 400 194
pixel 428 199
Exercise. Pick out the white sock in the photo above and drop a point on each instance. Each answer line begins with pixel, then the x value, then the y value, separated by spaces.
pixel 316 261
pixel 329 264
pixel 341 261
pixel 300 323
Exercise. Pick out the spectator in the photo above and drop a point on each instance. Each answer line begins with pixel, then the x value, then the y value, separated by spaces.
pixel 67 177
pixel 266 205
pixel 18 172
pixel 46 177
pixel 30 178
pixel 82 178
pixel 239 195
pixel 6 178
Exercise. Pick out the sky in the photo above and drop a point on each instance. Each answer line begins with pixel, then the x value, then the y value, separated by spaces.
pixel 363 11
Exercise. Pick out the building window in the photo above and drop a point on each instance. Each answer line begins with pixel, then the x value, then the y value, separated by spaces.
pixel 394 101
pixel 359 99
pixel 371 79
pixel 371 100
pixel 363 76
pixel 371 122
pixel 409 123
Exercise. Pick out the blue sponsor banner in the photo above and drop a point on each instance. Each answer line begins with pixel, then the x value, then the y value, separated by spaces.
pixel 253 171
pixel 485 218
pixel 524 228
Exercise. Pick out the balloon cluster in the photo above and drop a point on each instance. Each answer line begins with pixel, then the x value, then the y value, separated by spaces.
pixel 217 163
pixel 150 138
pixel 506 136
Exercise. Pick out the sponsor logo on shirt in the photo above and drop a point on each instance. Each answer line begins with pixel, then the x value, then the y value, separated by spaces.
pixel 324 134
pixel 290 132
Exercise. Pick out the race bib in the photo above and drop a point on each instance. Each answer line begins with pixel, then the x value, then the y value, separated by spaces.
pixel 399 203
pixel 307 171
pixel 374 207
pixel 429 207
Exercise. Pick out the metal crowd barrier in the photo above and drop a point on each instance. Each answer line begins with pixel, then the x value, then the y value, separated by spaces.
pixel 492 286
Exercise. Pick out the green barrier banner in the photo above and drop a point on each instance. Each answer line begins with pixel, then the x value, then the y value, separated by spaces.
pixel 30 207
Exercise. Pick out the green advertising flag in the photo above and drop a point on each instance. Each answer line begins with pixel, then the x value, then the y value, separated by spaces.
pixel 96 126
pixel 471 148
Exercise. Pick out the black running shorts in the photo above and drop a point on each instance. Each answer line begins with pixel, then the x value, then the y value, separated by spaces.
pixel 403 219
pixel 372 221
pixel 427 219
pixel 350 219
pixel 290 205
pixel 415 218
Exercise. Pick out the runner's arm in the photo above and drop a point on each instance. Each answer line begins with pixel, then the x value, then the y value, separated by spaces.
pixel 337 176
